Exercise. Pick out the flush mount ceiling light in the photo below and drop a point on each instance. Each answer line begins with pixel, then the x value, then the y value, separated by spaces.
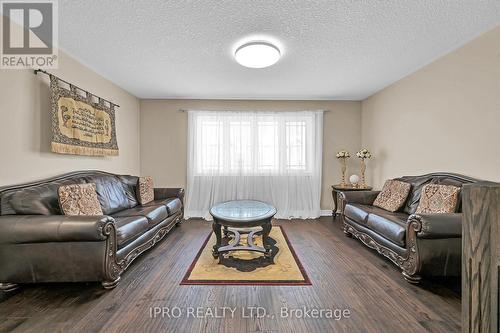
pixel 257 54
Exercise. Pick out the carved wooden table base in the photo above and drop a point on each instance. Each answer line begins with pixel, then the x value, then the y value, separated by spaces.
pixel 236 245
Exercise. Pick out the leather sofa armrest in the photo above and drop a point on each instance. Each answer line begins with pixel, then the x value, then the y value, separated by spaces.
pixel 437 225
pixel 164 193
pixel 15 229
pixel 360 197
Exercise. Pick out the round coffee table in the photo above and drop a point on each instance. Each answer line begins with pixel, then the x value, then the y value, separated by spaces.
pixel 242 214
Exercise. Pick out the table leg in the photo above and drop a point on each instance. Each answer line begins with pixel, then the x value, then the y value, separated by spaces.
pixel 335 196
pixel 218 235
pixel 266 230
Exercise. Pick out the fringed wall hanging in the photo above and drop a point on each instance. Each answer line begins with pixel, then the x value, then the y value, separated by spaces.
pixel 82 123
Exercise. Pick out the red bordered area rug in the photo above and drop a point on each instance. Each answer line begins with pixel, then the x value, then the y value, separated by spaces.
pixel 249 268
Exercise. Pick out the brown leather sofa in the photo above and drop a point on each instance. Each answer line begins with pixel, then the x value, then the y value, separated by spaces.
pixel 420 244
pixel 38 244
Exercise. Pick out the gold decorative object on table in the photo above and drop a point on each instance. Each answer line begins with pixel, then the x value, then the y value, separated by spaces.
pixel 343 155
pixel 363 154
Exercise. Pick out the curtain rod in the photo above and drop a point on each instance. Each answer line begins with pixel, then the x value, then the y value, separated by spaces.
pixel 36 71
pixel 186 110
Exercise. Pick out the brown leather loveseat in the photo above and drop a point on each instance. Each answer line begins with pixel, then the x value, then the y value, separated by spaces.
pixel 420 244
pixel 38 244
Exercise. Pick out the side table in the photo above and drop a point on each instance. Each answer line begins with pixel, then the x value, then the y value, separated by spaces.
pixel 344 188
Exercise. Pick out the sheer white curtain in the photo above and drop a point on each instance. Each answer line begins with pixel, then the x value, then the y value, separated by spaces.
pixel 274 157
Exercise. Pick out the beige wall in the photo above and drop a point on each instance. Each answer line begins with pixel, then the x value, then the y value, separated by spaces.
pixel 25 125
pixel 164 135
pixel 444 117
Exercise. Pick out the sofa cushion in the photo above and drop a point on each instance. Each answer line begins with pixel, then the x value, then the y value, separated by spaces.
pixel 357 212
pixel 145 190
pixel 129 184
pixel 154 214
pixel 436 199
pixel 110 192
pixel 79 199
pixel 391 226
pixel 40 199
pixel 173 205
pixel 129 228
pixel 393 195
pixel 418 182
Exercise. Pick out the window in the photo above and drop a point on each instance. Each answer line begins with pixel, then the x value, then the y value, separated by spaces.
pixel 252 143
pixel 296 145
pixel 269 156
pixel 240 149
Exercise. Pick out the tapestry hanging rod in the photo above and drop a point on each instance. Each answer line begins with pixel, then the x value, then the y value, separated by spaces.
pixel 36 71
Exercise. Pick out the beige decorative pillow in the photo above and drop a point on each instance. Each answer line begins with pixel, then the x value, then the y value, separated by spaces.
pixel 437 198
pixel 145 190
pixel 79 199
pixel 393 195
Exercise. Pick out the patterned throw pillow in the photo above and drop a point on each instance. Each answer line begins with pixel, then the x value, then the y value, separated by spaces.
pixel 79 199
pixel 145 190
pixel 437 198
pixel 393 195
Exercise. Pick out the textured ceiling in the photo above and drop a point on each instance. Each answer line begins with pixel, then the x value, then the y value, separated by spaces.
pixel 342 49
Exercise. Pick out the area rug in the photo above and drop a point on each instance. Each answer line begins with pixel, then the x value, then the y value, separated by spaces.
pixel 248 268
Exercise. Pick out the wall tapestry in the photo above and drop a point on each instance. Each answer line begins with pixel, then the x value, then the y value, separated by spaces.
pixel 81 125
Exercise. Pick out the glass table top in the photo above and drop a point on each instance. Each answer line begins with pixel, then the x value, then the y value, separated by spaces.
pixel 242 210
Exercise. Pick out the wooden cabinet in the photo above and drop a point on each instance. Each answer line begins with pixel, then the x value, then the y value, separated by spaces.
pixel 481 257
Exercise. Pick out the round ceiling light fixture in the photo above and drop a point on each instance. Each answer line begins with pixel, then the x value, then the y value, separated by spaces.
pixel 257 54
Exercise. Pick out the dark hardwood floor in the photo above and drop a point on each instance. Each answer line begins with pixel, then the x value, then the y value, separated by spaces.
pixel 344 273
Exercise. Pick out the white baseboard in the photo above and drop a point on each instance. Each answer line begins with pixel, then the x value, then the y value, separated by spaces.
pixel 326 212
